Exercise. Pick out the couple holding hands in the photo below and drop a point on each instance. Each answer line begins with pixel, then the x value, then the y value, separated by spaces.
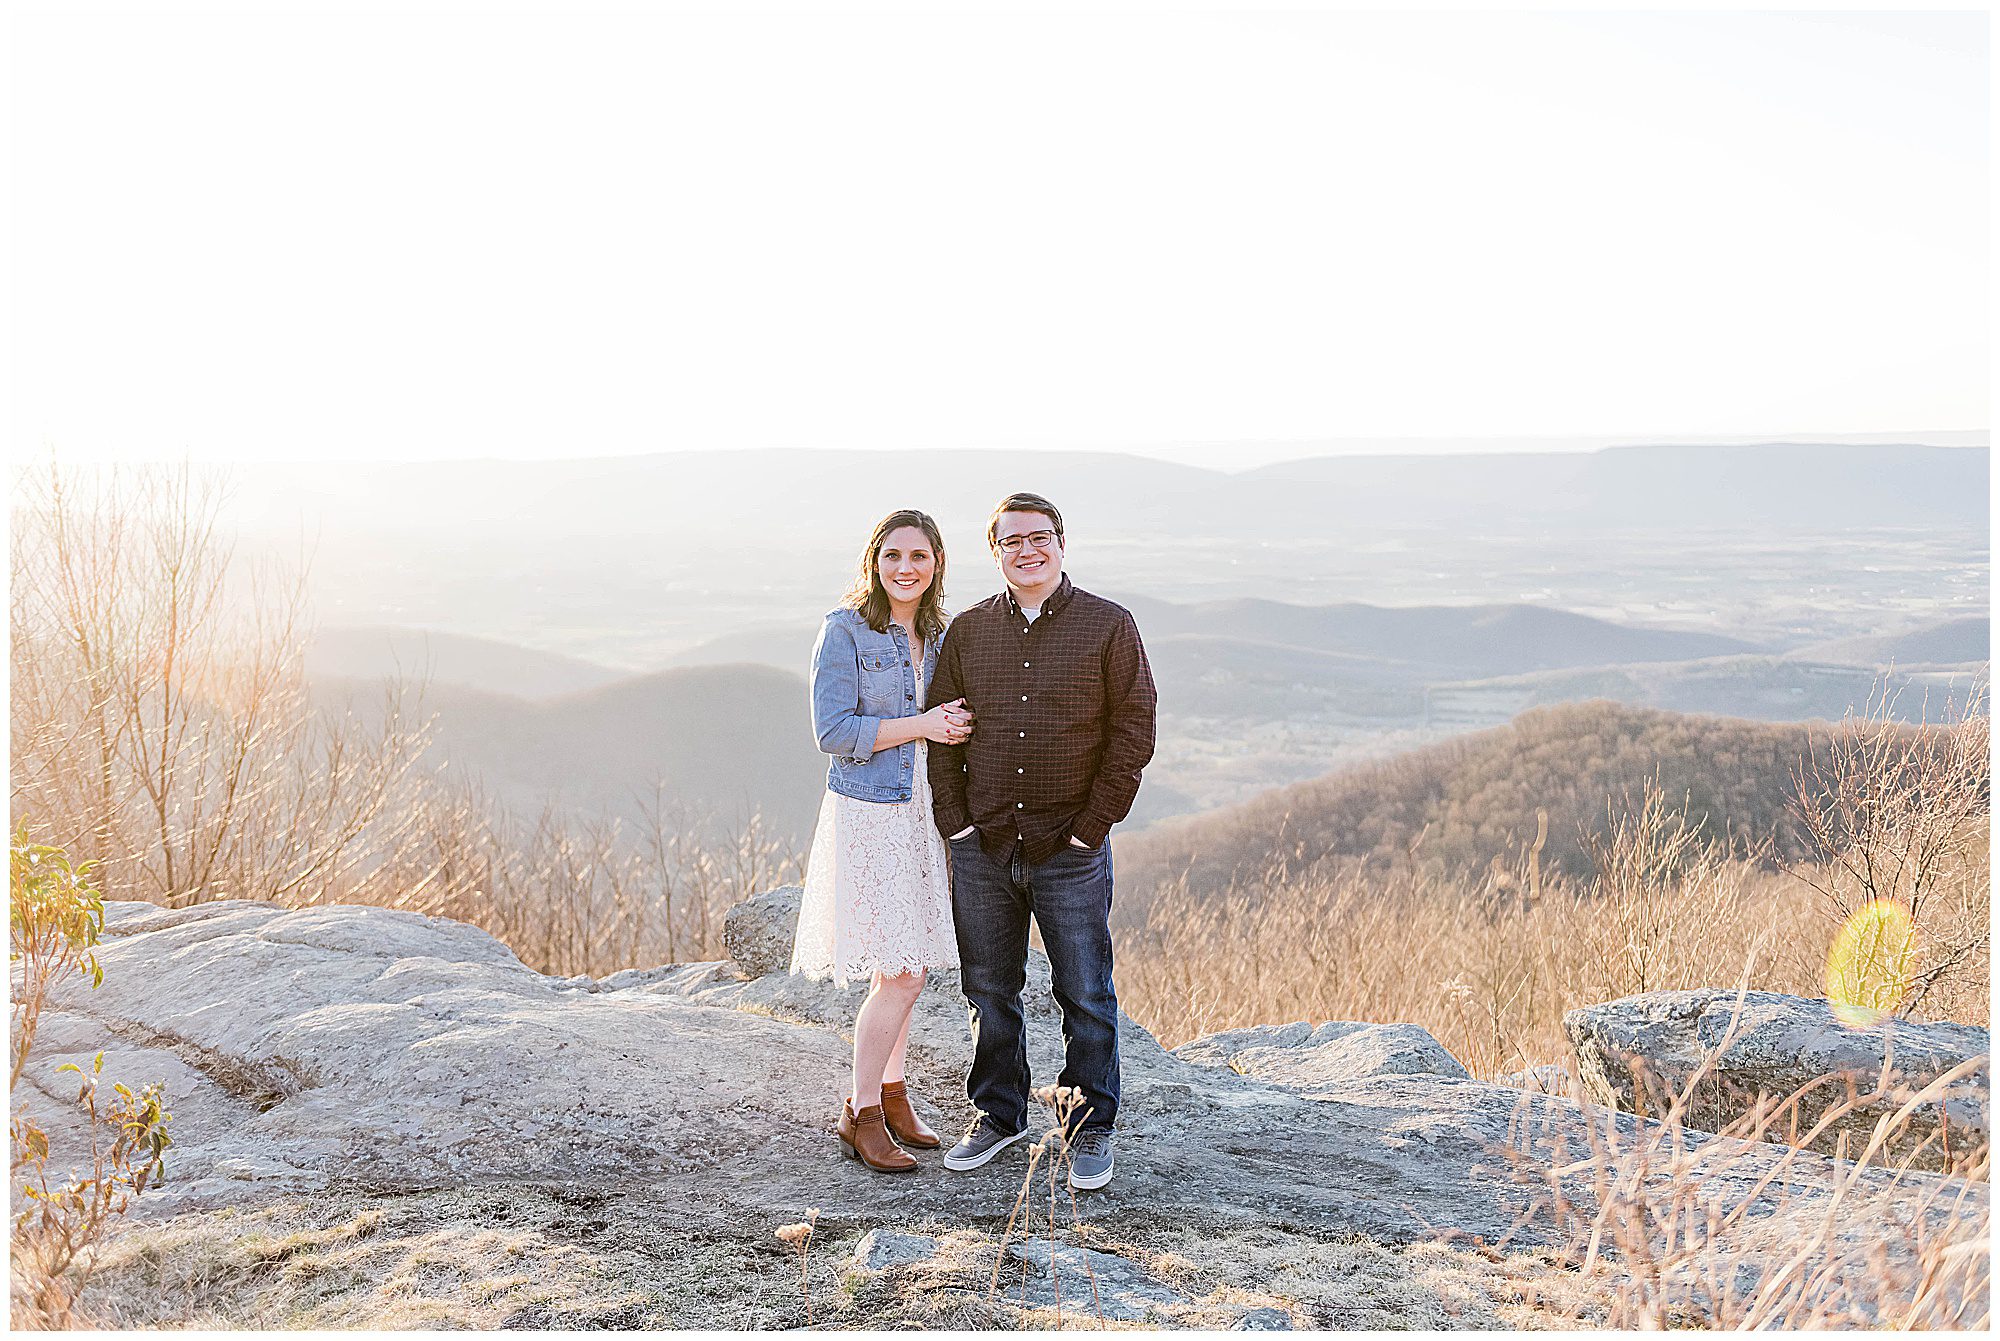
pixel 976 772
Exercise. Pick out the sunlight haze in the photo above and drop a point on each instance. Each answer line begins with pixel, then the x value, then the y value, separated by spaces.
pixel 290 235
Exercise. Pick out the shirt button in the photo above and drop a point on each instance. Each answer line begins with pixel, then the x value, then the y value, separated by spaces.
pixel 1024 698
pixel 1020 770
pixel 1024 735
pixel 1020 805
pixel 1026 664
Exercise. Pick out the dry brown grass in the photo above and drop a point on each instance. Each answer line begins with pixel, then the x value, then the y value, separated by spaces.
pixel 490 1257
pixel 533 1257
pixel 574 894
pixel 1345 1284
pixel 1750 1230
pixel 1488 968
pixel 163 728
pixel 1490 965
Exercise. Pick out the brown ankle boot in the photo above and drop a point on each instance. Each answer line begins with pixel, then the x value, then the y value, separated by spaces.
pixel 865 1137
pixel 902 1120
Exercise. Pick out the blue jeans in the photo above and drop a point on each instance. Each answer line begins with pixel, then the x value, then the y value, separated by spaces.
pixel 1069 896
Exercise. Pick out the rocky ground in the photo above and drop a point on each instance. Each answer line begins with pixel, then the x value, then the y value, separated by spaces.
pixel 385 1120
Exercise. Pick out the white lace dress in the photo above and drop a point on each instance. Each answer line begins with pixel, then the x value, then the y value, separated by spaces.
pixel 878 888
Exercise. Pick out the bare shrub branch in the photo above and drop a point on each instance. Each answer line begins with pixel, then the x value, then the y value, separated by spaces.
pixel 1901 813
pixel 162 725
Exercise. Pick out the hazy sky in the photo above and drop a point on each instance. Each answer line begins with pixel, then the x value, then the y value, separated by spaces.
pixel 287 232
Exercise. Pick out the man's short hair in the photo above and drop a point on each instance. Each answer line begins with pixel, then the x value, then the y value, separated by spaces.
pixel 1022 503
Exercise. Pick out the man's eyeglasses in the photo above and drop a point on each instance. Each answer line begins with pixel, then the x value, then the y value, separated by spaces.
pixel 1011 544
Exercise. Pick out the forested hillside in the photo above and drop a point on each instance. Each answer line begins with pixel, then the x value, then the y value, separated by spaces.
pixel 1456 805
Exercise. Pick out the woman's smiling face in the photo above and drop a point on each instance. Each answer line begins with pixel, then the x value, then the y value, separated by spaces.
pixel 905 564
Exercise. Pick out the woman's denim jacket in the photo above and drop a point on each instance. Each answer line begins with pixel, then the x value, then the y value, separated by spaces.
pixel 859 677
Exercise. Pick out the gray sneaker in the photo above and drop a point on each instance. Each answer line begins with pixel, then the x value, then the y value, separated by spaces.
pixel 982 1142
pixel 1090 1158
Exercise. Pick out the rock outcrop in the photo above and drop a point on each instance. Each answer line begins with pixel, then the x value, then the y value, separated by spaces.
pixel 359 1051
pixel 758 932
pixel 371 1048
pixel 1637 1053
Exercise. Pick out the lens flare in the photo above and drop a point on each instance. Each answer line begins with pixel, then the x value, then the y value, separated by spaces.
pixel 1869 968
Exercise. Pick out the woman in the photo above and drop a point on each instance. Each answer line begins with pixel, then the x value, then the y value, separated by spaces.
pixel 878 882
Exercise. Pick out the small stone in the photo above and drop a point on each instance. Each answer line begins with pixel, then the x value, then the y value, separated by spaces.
pixel 1123 1291
pixel 881 1249
pixel 1263 1320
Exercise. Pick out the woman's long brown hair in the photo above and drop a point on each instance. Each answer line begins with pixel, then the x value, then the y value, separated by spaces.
pixel 871 598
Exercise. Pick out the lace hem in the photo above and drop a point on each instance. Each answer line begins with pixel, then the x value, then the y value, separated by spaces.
pixel 877 890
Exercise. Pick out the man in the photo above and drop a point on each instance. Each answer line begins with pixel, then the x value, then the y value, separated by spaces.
pixel 1058 681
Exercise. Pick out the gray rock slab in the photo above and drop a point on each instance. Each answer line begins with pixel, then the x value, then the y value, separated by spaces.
pixel 413 1069
pixel 1263 1320
pixel 1316 1060
pixel 200 1105
pixel 1637 1052
pixel 1084 1282
pixel 881 1249
pixel 374 1050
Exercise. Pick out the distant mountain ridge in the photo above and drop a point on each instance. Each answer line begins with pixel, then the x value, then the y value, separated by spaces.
pixel 1497 639
pixel 1297 687
pixel 378 651
pixel 1783 486
pixel 728 740
pixel 1386 643
pixel 1440 639
pixel 1790 688
pixel 1953 642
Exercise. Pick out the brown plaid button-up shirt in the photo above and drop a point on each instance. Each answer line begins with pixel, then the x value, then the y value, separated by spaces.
pixel 1066 710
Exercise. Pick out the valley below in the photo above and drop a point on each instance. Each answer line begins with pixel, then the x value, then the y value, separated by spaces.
pixel 1258 687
